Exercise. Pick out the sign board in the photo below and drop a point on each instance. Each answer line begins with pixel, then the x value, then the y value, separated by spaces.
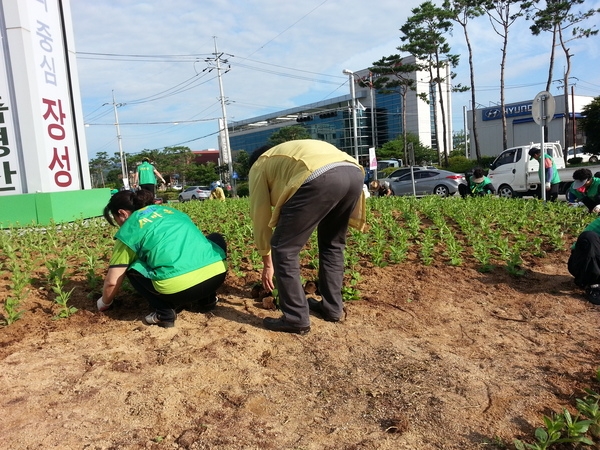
pixel 543 107
pixel 372 159
pixel 42 136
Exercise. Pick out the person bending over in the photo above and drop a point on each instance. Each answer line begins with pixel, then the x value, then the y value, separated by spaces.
pixel 479 185
pixel 585 189
pixel 295 188
pixel 163 254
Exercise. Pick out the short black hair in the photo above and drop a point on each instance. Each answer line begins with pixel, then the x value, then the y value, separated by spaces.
pixel 127 200
pixel 257 153
pixel 582 174
pixel 478 172
pixel 534 151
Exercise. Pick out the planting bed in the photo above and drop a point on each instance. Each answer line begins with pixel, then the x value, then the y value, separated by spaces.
pixel 433 356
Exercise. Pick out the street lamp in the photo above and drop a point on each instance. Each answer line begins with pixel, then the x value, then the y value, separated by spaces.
pixel 354 124
pixel 123 160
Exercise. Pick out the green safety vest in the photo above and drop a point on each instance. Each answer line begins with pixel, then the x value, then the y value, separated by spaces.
pixel 555 177
pixel 478 188
pixel 146 173
pixel 167 243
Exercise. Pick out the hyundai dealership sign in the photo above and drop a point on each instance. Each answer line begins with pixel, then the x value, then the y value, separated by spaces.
pixel 513 110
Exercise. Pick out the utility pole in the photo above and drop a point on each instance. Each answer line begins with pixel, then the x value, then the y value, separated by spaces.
pixel 225 149
pixel 124 172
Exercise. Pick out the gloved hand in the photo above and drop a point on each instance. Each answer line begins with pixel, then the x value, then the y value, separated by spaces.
pixel 101 305
pixel 548 186
pixel 596 209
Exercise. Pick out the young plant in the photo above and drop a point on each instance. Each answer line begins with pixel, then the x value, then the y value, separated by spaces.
pixel 12 311
pixel 62 297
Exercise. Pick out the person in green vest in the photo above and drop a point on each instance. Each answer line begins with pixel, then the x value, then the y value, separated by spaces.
pixel 552 178
pixel 479 185
pixel 585 189
pixel 164 255
pixel 145 176
pixel 584 261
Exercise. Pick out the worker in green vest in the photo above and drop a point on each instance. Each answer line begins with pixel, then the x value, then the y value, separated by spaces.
pixel 551 177
pixel 145 176
pixel 166 258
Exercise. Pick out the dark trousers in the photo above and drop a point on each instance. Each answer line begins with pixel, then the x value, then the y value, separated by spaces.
pixel 551 195
pixel 326 204
pixel 202 294
pixel 149 187
pixel 584 262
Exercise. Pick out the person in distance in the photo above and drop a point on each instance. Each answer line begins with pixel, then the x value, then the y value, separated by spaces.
pixel 551 177
pixel 479 185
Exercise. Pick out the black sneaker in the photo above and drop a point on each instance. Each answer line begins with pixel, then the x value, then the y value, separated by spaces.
pixel 280 324
pixel 209 306
pixel 152 319
pixel 592 294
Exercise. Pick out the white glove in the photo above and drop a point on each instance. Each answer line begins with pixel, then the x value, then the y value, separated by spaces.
pixel 548 186
pixel 596 209
pixel 101 305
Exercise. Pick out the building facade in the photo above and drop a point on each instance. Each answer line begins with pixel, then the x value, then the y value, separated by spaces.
pixel 521 129
pixel 379 118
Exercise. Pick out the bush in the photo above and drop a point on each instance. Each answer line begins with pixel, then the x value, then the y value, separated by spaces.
pixel 242 189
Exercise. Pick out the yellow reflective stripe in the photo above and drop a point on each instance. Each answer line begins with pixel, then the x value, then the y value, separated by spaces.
pixel 187 280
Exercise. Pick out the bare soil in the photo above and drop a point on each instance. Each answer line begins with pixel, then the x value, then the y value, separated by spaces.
pixel 433 357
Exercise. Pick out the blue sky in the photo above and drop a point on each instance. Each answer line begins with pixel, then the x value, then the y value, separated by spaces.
pixel 280 55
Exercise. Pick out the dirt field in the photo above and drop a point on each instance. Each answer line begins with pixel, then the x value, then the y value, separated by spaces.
pixel 434 357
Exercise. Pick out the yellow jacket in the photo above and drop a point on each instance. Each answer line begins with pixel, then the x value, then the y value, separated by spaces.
pixel 217 194
pixel 279 173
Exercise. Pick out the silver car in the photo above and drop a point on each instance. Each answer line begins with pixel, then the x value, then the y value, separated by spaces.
pixel 403 171
pixel 195 193
pixel 427 182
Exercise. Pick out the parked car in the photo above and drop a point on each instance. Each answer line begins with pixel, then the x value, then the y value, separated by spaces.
pixel 195 193
pixel 585 157
pixel 438 182
pixel 177 187
pixel 403 171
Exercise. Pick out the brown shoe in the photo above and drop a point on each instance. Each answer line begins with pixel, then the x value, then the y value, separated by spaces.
pixel 281 325
pixel 317 307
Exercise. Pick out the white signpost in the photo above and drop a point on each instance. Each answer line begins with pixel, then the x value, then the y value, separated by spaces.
pixel 42 145
pixel 542 110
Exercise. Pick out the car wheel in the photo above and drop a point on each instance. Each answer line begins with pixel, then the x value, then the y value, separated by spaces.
pixel 181 199
pixel 593 159
pixel 505 191
pixel 194 197
pixel 441 190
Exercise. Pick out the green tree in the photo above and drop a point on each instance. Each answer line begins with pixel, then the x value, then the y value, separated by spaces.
pixel 558 17
pixel 98 167
pixel 393 75
pixel 461 12
pixel 459 140
pixel 590 124
pixel 242 164
pixel 292 133
pixel 423 37
pixel 395 149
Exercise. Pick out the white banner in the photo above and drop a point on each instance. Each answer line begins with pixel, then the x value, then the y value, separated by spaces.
pixel 54 102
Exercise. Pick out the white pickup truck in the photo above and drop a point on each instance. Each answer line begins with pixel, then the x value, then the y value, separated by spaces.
pixel 513 174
